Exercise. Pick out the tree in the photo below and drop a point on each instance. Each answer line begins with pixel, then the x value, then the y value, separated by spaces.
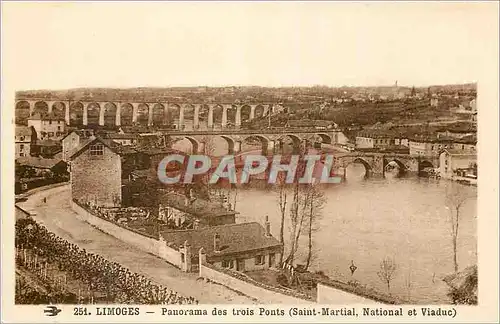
pixel 387 271
pixel 463 286
pixel 314 201
pixel 455 198
pixel 282 202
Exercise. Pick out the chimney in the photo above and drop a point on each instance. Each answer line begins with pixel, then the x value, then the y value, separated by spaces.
pixel 267 226
pixel 216 242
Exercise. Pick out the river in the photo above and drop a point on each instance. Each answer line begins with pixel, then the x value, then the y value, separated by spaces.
pixel 367 220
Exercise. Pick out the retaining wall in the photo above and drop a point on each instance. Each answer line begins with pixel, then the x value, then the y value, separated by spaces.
pixel 263 295
pixel 135 239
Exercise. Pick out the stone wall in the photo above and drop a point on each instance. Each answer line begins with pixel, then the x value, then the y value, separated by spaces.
pixel 255 290
pixel 138 240
pixel 97 178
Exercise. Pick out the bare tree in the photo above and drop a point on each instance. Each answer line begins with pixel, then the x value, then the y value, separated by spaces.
pixel 314 205
pixel 295 221
pixel 387 271
pixel 455 199
pixel 282 202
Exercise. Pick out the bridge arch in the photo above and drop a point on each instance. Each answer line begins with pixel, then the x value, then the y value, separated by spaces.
pixel 362 161
pixel 325 138
pixel 158 114
pixel 398 163
pixel 76 114
pixel 246 113
pixel 41 107
pixel 296 141
pixel 264 141
pixel 110 110
pixel 126 114
pixel 195 145
pixel 22 111
pixel 230 144
pixel 59 109
pixel 142 114
pixel 217 111
pixel 93 112
pixel 173 114
pixel 259 111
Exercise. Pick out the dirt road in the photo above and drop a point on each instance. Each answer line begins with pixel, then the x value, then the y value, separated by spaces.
pixel 57 215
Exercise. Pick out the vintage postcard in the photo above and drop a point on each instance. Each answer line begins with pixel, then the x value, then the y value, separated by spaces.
pixel 249 162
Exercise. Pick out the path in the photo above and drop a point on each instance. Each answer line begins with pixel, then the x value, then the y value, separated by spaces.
pixel 59 218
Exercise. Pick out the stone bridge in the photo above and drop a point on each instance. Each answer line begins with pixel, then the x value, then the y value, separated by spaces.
pixel 117 113
pixel 270 139
pixel 376 163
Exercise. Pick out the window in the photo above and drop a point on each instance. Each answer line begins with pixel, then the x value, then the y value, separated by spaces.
pixel 228 264
pixel 21 154
pixel 22 138
pixel 50 122
pixel 21 147
pixel 259 259
pixel 51 134
pixel 58 128
pixel 182 258
pixel 97 149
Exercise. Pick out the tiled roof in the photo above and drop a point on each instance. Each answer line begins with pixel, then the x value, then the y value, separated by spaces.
pixel 198 207
pixel 37 162
pixel 460 152
pixel 46 116
pixel 24 131
pixel 234 238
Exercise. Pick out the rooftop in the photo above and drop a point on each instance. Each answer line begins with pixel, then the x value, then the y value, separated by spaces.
pixel 460 152
pixel 46 116
pixel 197 207
pixel 37 162
pixel 24 131
pixel 234 238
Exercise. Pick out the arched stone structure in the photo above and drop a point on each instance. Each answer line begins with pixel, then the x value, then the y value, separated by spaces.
pixel 40 107
pixel 59 109
pixel 126 113
pixel 22 111
pixel 110 112
pixel 233 146
pixel 157 114
pixel 266 143
pixel 76 113
pixel 93 113
pixel 142 115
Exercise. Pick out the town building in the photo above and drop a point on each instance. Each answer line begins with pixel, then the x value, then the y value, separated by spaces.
pixel 96 173
pixel 427 145
pixel 48 148
pixel 25 137
pixel 42 167
pixel 308 123
pixel 239 247
pixel 47 126
pixel 125 139
pixel 455 163
pixel 73 140
pixel 374 139
pixel 182 211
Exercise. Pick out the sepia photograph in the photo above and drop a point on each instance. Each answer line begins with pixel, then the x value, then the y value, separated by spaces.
pixel 185 155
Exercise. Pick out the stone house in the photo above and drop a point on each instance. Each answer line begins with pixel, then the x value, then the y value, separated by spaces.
pixel 453 163
pixel 241 247
pixel 25 137
pixel 96 173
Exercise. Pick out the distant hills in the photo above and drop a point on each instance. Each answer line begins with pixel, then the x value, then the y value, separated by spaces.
pixel 232 93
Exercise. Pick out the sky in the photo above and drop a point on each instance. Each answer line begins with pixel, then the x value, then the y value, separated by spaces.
pixel 66 45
